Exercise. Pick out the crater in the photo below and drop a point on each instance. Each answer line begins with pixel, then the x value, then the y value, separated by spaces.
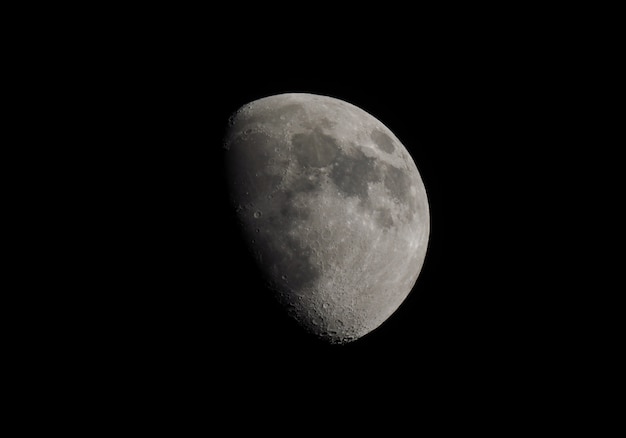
pixel 314 149
pixel 383 141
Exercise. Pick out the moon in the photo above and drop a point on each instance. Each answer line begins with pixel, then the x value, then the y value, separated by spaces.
pixel 332 207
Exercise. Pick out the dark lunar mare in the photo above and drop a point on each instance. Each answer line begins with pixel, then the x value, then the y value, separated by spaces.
pixel 383 141
pixel 352 173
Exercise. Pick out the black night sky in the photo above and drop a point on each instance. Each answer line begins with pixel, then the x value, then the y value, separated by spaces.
pixel 185 302
pixel 462 127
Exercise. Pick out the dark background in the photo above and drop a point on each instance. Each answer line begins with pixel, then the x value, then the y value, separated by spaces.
pixel 477 308
pixel 175 310
pixel 136 305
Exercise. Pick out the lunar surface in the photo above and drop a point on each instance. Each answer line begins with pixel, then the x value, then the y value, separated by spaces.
pixel 332 207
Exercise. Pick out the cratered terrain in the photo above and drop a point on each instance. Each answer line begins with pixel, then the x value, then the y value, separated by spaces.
pixel 332 207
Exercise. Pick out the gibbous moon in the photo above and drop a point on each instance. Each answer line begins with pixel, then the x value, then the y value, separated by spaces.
pixel 332 207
